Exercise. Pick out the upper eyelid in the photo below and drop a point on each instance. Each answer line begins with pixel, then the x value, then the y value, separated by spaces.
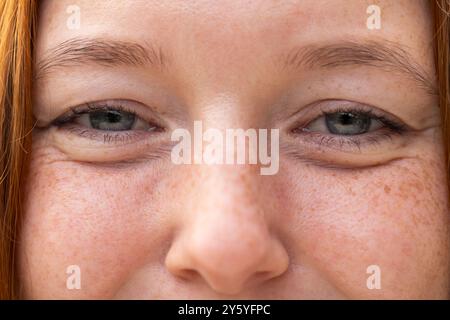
pixel 354 105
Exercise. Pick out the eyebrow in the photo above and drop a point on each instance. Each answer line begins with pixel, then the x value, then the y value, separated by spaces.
pixel 387 55
pixel 103 52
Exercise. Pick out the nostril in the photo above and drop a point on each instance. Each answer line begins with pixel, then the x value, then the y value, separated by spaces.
pixel 187 274
pixel 260 277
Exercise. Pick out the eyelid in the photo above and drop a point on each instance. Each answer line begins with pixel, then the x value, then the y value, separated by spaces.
pixel 96 151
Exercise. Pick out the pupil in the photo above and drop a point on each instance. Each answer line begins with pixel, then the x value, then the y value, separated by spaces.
pixel 113 117
pixel 346 119
pixel 346 123
pixel 111 120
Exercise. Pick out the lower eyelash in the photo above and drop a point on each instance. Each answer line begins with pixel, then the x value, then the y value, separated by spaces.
pixel 369 139
pixel 104 136
pixel 352 142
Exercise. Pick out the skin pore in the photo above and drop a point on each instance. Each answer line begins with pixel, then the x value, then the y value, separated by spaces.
pixel 139 226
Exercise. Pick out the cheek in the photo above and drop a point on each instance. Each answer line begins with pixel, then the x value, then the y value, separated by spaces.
pixel 105 221
pixel 394 216
pixel 112 222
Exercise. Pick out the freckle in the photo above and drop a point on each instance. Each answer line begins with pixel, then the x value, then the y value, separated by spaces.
pixel 419 186
pixel 375 200
pixel 351 192
pixel 387 189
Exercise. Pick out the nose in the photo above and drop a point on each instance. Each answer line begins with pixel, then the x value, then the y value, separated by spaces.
pixel 225 238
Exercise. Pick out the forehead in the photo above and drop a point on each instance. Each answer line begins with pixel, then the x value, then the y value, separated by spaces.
pixel 235 22
pixel 231 16
pixel 222 39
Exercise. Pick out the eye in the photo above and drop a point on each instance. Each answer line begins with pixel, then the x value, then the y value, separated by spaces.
pixel 111 120
pixel 348 126
pixel 346 123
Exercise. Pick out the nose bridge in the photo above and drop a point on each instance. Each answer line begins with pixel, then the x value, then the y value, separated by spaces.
pixel 228 188
pixel 227 207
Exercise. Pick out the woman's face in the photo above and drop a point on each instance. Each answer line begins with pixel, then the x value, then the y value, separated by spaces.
pixel 357 208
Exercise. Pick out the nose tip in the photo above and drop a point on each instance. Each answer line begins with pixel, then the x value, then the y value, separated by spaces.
pixel 228 263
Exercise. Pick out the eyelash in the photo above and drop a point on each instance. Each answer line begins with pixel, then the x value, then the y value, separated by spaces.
pixel 96 134
pixel 390 129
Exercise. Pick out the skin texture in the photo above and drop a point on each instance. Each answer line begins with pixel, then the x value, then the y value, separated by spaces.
pixel 147 228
